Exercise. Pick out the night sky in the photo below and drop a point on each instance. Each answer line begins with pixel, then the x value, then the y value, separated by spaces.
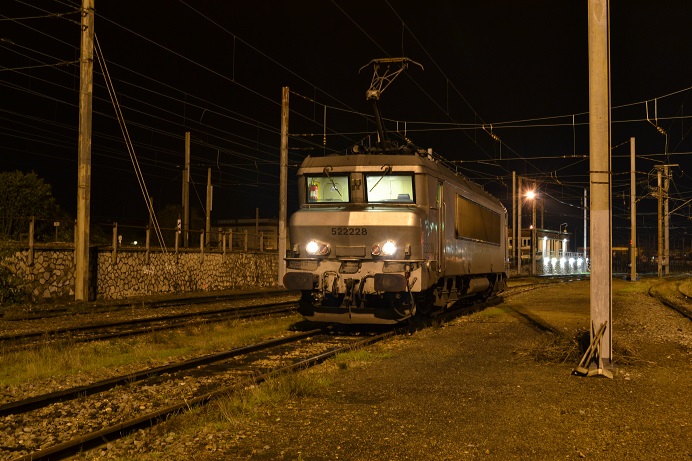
pixel 518 70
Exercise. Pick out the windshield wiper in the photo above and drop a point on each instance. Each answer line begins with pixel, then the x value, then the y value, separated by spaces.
pixel 326 173
pixel 387 170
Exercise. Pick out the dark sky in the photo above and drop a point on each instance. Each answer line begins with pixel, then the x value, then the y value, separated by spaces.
pixel 518 69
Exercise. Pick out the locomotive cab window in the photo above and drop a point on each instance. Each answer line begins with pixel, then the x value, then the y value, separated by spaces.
pixel 327 189
pixel 390 188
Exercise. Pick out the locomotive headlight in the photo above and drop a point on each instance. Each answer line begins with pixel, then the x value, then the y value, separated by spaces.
pixel 388 248
pixel 317 248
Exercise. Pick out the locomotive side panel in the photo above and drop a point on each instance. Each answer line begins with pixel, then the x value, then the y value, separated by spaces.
pixel 473 229
pixel 473 243
pixel 476 237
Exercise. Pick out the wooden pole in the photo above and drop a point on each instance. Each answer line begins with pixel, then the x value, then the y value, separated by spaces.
pixel 186 192
pixel 86 78
pixel 283 185
pixel 209 197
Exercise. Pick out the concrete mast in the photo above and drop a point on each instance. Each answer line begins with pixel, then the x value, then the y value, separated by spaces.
pixel 514 214
pixel 633 215
pixel 519 210
pixel 600 181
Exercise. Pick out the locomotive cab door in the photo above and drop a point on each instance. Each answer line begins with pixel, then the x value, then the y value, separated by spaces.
pixel 442 217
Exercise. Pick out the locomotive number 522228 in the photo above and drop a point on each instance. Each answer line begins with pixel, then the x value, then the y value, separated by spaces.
pixel 349 231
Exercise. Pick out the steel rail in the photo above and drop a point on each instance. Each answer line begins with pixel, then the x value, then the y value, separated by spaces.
pixel 39 401
pixel 66 331
pixel 107 306
pixel 119 430
pixel 679 308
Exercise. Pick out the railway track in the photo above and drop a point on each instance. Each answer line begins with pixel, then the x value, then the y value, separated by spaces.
pixel 124 328
pixel 153 323
pixel 40 401
pixel 674 299
pixel 106 307
pixel 530 317
pixel 217 375
pixel 211 376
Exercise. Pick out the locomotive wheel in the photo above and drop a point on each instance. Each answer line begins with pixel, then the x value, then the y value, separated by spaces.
pixel 425 303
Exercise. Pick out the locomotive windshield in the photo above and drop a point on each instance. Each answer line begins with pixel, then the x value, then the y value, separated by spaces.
pixel 327 189
pixel 383 187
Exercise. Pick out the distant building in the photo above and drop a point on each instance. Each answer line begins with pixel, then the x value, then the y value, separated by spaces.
pixel 549 244
pixel 552 252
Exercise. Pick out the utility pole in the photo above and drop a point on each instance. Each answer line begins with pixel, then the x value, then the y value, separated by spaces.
pixel 586 223
pixel 633 215
pixel 86 88
pixel 659 195
pixel 666 222
pixel 534 233
pixel 519 225
pixel 283 184
pixel 186 191
pixel 257 234
pixel 662 185
pixel 600 183
pixel 542 213
pixel 207 228
pixel 514 212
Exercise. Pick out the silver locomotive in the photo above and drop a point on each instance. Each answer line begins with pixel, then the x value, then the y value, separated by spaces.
pixel 379 238
pixel 389 232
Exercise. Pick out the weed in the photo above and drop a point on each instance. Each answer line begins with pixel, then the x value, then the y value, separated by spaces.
pixel 549 348
pixel 68 359
pixel 12 288
pixel 258 399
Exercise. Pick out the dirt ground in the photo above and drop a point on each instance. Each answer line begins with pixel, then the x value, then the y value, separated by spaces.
pixel 490 385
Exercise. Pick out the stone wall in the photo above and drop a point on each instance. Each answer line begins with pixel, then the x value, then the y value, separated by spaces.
pixel 131 273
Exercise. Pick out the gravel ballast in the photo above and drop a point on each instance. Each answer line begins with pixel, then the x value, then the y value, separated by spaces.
pixel 489 385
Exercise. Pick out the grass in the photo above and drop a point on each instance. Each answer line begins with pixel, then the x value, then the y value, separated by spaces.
pixel 236 412
pixel 132 353
pixel 237 408
pixel 624 287
pixel 357 358
pixel 494 312
pixel 242 413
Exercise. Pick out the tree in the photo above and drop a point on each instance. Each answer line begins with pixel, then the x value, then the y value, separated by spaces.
pixel 23 195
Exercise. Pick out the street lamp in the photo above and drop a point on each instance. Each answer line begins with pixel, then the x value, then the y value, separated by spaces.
pixel 563 224
pixel 531 195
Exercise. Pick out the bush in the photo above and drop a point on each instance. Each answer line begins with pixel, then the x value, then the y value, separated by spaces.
pixel 12 288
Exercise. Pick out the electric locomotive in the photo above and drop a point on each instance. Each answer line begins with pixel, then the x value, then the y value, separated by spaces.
pixel 380 238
